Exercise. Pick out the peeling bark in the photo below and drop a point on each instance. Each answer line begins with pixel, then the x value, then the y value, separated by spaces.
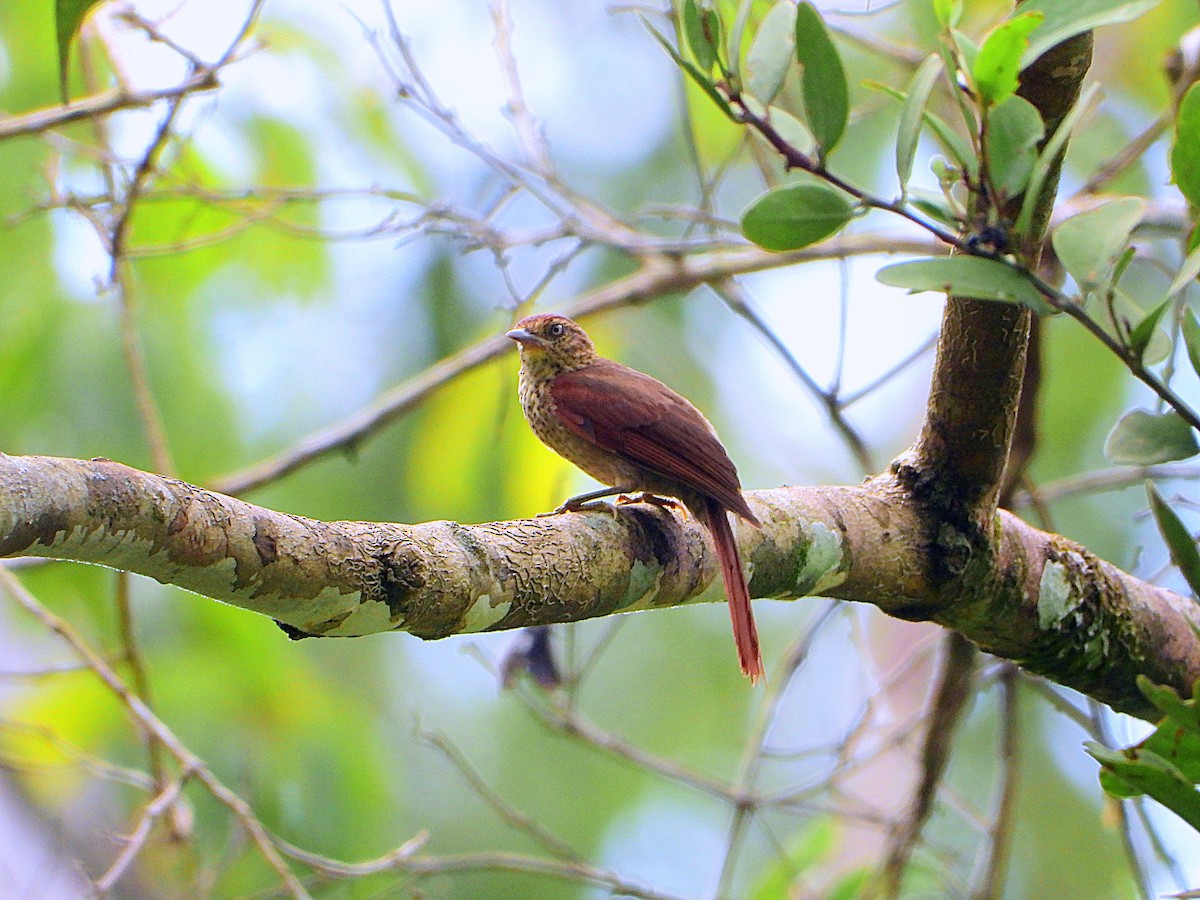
pixel 1038 599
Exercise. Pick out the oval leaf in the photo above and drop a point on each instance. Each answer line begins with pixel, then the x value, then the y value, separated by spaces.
pixel 913 114
pixel 826 95
pixel 1191 338
pixel 1142 438
pixel 1147 330
pixel 795 216
pixel 1185 151
pixel 1014 130
pixel 994 72
pixel 1046 160
pixel 1178 539
pixel 1187 273
pixel 1067 18
pixel 68 19
pixel 1088 244
pixel 770 54
pixel 966 276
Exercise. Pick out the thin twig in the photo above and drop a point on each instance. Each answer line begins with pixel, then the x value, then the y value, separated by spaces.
pixel 166 799
pixel 1003 828
pixel 149 723
pixel 951 695
pixel 735 298
pixel 509 813
pixel 754 749
pixel 100 105
pixel 658 275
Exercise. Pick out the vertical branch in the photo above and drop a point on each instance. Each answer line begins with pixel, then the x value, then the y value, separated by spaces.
pixel 1001 834
pixel 950 700
pixel 957 466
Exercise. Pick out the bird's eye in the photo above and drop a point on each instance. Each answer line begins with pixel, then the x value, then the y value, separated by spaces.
pixel 556 330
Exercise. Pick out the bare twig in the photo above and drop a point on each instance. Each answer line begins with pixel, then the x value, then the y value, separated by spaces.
pixel 1001 832
pixel 152 725
pixel 658 275
pixel 100 105
pixel 510 814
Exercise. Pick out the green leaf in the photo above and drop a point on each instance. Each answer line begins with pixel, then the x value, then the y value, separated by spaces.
pixel 1191 338
pixel 1142 438
pixel 770 53
pixel 1049 155
pixel 1183 713
pixel 793 131
pixel 795 216
pixel 967 49
pixel 1185 151
pixel 736 36
pixel 68 19
pixel 1014 129
pixel 913 114
pixel 948 12
pixel 1179 542
pixel 1147 329
pixel 994 72
pixel 966 276
pixel 1187 273
pixel 1067 18
pixel 702 30
pixel 952 143
pixel 826 94
pixel 1088 244
pixel 702 80
pixel 1140 771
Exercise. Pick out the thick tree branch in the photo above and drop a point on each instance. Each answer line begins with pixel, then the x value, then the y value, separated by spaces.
pixel 1036 598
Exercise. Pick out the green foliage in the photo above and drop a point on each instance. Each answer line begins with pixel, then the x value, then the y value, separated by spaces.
pixel 1185 150
pixel 702 27
pixel 913 115
pixel 966 276
pixel 1142 438
pixel 1089 244
pixel 1014 129
pixel 795 216
pixel 994 70
pixel 770 56
pixel 698 77
pixel 826 95
pixel 1178 539
pixel 1166 765
pixel 1187 273
pixel 1191 338
pixel 1050 153
pixel 1147 331
pixel 1066 18
pixel 68 19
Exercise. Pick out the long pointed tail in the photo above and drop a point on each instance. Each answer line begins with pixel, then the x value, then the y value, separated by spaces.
pixel 745 635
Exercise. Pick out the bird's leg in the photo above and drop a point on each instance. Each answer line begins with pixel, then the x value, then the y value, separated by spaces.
pixel 582 502
pixel 654 500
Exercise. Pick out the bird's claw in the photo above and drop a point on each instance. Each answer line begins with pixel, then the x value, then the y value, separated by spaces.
pixel 653 500
pixel 583 506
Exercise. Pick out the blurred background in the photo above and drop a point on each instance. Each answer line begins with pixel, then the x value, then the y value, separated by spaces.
pixel 196 287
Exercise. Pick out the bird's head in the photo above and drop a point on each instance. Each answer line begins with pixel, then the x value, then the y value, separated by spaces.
pixel 553 343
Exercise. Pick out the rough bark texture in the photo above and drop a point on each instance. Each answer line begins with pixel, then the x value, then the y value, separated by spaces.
pixel 1037 598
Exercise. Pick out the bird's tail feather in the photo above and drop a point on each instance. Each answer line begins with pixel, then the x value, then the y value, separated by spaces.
pixel 745 635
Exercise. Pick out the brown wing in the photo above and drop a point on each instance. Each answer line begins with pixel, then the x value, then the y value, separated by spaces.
pixel 639 417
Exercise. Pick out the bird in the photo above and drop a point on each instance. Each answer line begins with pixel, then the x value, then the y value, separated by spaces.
pixel 633 434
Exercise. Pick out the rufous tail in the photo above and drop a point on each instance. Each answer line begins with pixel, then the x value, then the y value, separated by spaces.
pixel 745 635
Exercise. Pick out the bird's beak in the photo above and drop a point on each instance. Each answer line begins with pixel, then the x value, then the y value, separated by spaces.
pixel 524 337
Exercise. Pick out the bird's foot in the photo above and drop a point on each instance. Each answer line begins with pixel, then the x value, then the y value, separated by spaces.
pixel 653 500
pixel 576 506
